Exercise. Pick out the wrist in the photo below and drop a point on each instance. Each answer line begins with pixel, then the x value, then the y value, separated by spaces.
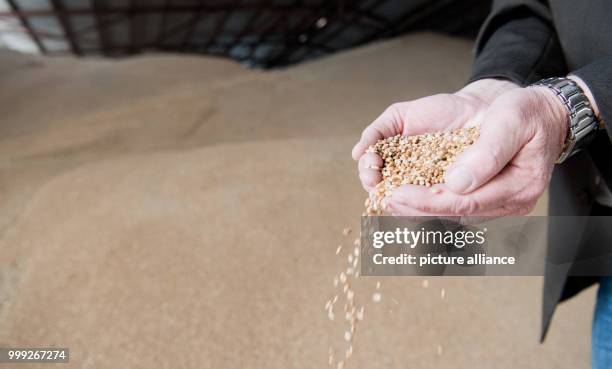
pixel 555 114
pixel 484 91
pixel 582 123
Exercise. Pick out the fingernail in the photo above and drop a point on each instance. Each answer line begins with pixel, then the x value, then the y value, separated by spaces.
pixel 459 179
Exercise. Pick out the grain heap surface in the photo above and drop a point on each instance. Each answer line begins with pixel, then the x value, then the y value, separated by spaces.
pixel 419 160
pixel 121 178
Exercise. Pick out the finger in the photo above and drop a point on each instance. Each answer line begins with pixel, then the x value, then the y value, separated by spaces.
pixel 422 199
pixel 369 137
pixel 500 139
pixel 370 161
pixel 369 170
pixel 401 210
pixel 388 124
pixel 415 215
pixel 369 179
pixel 490 199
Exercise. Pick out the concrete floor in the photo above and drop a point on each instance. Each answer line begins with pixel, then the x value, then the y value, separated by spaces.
pixel 184 212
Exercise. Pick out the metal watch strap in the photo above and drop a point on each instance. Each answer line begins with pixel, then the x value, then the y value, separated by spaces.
pixel 582 123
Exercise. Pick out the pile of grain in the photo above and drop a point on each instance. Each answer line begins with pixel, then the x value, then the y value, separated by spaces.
pixel 419 160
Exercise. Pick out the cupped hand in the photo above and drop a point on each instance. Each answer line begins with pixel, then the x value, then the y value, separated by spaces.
pixel 434 113
pixel 506 170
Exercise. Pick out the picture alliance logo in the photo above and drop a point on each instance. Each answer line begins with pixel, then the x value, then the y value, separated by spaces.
pixel 413 238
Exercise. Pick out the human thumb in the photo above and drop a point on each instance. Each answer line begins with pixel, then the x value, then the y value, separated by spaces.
pixel 499 141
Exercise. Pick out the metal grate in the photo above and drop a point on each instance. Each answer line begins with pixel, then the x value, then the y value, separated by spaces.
pixel 264 33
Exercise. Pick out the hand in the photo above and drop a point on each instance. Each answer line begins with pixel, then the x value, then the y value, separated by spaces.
pixel 506 170
pixel 433 113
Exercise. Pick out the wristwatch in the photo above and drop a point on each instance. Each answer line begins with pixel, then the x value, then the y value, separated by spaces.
pixel 582 122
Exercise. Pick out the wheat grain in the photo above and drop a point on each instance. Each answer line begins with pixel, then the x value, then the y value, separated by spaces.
pixel 418 160
pixel 376 297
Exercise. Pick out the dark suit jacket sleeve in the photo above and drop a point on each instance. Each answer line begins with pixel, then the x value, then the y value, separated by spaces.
pixel 518 42
pixel 598 76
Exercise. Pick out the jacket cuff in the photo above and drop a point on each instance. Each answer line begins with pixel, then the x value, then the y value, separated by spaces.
pixel 598 77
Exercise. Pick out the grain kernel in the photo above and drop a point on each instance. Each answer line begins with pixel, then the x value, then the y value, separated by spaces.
pixel 376 297
pixel 418 160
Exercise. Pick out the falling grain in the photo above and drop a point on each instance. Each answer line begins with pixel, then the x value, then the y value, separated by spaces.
pixel 349 352
pixel 376 297
pixel 360 313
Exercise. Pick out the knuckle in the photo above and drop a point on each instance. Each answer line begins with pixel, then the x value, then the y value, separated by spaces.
pixel 393 108
pixel 394 111
pixel 494 156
